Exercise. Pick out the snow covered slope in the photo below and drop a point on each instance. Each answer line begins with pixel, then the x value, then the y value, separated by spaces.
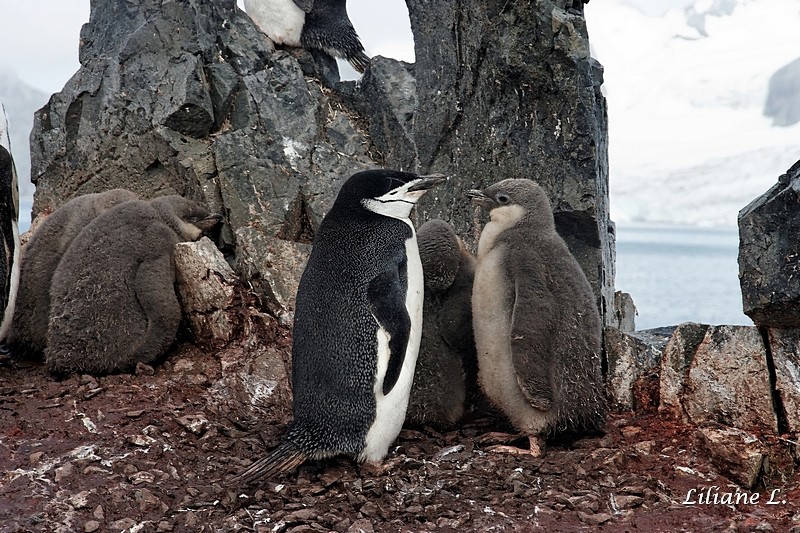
pixel 688 141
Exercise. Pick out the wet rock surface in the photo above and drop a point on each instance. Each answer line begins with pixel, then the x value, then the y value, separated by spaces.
pixel 153 451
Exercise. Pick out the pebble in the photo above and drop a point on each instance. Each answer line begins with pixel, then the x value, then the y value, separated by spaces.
pixel 63 472
pixel 361 526
pixel 91 526
pixel 144 370
pixel 196 424
pixel 645 447
pixel 80 500
pixel 98 512
pixel 629 502
pixel 122 524
pixel 141 441
pixel 142 477
pixel 35 457
pixel 164 526
pixel 594 519
pixel 148 501
pixel 301 515
pixel 182 365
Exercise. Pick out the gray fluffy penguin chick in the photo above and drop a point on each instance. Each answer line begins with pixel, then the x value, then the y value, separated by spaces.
pixel 112 301
pixel 357 326
pixel 446 366
pixel 313 24
pixel 40 257
pixel 9 236
pixel 537 328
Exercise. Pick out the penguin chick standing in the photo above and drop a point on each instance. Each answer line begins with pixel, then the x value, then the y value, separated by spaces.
pixel 112 301
pixel 537 328
pixel 39 259
pixel 312 24
pixel 446 366
pixel 357 326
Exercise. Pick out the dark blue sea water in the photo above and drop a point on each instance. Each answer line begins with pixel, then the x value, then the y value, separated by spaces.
pixel 679 274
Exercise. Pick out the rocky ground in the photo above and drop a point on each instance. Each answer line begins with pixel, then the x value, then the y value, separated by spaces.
pixel 153 451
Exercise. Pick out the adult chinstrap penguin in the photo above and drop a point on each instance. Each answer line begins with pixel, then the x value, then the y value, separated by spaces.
pixel 313 24
pixel 357 326
pixel 113 301
pixel 9 238
pixel 537 327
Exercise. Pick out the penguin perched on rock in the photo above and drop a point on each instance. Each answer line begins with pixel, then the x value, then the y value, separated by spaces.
pixel 313 24
pixel 40 257
pixel 357 326
pixel 112 300
pixel 537 328
pixel 446 367
pixel 9 231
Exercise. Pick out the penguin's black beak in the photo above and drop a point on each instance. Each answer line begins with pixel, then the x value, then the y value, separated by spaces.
pixel 479 198
pixel 428 182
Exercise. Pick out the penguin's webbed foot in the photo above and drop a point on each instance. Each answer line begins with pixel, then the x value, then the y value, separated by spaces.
pixel 537 448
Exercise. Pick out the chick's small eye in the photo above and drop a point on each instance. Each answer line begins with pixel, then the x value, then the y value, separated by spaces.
pixel 502 198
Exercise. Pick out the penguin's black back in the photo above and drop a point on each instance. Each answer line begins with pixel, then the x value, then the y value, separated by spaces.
pixel 8 217
pixel 335 344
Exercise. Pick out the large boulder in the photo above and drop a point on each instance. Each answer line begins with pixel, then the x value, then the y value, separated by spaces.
pixel 769 254
pixel 509 90
pixel 784 345
pixel 191 98
pixel 633 358
pixel 677 360
pixel 728 381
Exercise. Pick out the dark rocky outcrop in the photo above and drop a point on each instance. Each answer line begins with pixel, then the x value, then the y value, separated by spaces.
pixel 191 98
pixel 783 95
pixel 769 254
pixel 509 90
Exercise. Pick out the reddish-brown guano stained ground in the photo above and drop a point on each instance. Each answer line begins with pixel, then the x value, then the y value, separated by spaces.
pixel 154 452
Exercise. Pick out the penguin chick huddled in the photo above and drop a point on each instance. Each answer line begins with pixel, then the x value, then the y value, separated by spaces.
pixel 357 326
pixel 112 300
pixel 313 24
pixel 446 366
pixel 9 235
pixel 537 328
pixel 39 259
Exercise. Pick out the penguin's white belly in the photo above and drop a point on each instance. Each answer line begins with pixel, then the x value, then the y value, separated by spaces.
pixel 492 317
pixel 390 410
pixel 5 319
pixel 281 20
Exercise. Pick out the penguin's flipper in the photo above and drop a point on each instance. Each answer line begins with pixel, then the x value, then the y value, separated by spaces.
pixel 305 5
pixel 282 459
pixel 155 291
pixel 386 295
pixel 529 325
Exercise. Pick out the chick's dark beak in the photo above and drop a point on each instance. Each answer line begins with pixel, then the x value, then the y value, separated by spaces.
pixel 479 198
pixel 206 224
pixel 428 182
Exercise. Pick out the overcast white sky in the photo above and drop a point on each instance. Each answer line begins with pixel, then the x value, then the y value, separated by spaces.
pixel 39 38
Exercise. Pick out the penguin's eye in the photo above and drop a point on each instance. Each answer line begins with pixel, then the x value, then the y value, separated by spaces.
pixel 502 198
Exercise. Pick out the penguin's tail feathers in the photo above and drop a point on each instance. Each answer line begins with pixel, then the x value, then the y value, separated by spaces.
pixel 282 459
